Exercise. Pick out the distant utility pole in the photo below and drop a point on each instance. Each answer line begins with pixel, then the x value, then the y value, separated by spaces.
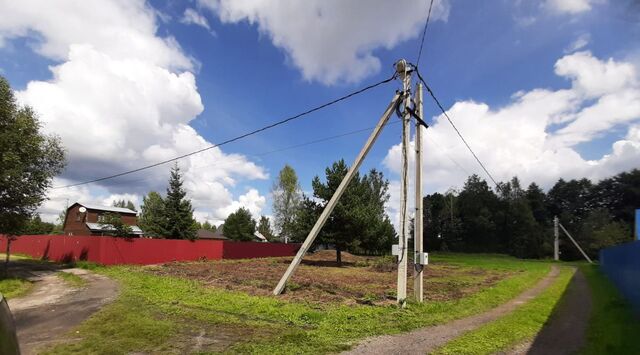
pixel 556 239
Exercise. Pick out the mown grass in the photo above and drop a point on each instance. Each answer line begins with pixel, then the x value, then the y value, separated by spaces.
pixel 516 327
pixel 613 329
pixel 158 313
pixel 72 279
pixel 12 287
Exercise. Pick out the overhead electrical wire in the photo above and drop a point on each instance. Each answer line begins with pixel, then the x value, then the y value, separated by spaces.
pixel 275 124
pixel 424 33
pixel 295 146
pixel 444 112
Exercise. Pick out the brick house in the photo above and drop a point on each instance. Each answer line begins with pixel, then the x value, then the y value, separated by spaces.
pixel 85 219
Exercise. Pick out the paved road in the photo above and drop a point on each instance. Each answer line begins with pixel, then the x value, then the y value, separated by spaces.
pixel 54 307
pixel 566 329
pixel 424 340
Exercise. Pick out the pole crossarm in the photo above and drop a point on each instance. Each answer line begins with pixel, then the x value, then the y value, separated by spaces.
pixel 336 196
pixel 575 243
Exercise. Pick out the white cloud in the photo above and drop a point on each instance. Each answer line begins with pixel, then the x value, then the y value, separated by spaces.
pixel 332 41
pixel 534 137
pixel 121 97
pixel 117 28
pixel 569 6
pixel 580 42
pixel 192 17
pixel 252 201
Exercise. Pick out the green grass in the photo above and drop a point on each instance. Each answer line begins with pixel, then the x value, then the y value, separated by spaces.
pixel 159 313
pixel 516 327
pixel 612 329
pixel 72 279
pixel 13 287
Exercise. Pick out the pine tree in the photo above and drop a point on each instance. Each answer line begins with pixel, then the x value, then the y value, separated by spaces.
pixel 152 217
pixel 240 225
pixel 178 213
pixel 359 222
pixel 264 227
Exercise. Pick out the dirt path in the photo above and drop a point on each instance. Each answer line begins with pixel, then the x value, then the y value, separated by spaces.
pixel 54 307
pixel 565 331
pixel 424 340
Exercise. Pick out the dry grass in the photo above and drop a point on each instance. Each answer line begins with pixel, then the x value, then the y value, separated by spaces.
pixel 364 280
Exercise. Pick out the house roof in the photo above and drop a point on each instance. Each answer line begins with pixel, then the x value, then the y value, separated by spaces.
pixel 207 234
pixel 106 208
pixel 103 227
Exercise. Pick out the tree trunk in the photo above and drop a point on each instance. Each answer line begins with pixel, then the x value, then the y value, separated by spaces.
pixel 338 256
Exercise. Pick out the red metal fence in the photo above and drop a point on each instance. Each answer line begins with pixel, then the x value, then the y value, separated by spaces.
pixel 110 250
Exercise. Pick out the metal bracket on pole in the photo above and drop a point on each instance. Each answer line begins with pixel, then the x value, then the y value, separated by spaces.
pixel 575 243
pixel 336 196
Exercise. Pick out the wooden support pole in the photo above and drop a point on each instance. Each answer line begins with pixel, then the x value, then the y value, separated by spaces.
pixel 556 239
pixel 336 196
pixel 575 243
pixel 401 295
pixel 418 282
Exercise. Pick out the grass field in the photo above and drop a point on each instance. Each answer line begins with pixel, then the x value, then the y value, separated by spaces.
pixel 612 329
pixel 519 326
pixel 204 307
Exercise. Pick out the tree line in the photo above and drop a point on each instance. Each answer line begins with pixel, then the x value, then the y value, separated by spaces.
pixel 519 221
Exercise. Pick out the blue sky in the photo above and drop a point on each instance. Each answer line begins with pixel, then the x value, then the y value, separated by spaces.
pixel 530 84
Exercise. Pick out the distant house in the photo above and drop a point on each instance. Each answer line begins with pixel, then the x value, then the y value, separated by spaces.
pixel 207 234
pixel 85 219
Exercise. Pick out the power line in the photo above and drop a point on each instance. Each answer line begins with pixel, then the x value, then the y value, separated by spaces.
pixel 454 126
pixel 424 33
pixel 295 146
pixel 278 123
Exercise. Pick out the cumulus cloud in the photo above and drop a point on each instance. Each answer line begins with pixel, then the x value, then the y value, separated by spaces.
pixel 121 97
pixel 535 136
pixel 192 17
pixel 569 6
pixel 118 28
pixel 252 201
pixel 332 41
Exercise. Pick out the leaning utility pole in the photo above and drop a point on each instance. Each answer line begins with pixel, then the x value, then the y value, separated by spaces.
pixel 405 75
pixel 336 195
pixel 400 100
pixel 417 224
pixel 556 239
pixel 575 243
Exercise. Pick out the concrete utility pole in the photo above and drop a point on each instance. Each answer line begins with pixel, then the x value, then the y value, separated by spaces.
pixel 336 196
pixel 418 282
pixel 403 71
pixel 575 243
pixel 556 239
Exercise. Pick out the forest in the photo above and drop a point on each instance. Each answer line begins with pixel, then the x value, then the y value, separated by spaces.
pixel 518 221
